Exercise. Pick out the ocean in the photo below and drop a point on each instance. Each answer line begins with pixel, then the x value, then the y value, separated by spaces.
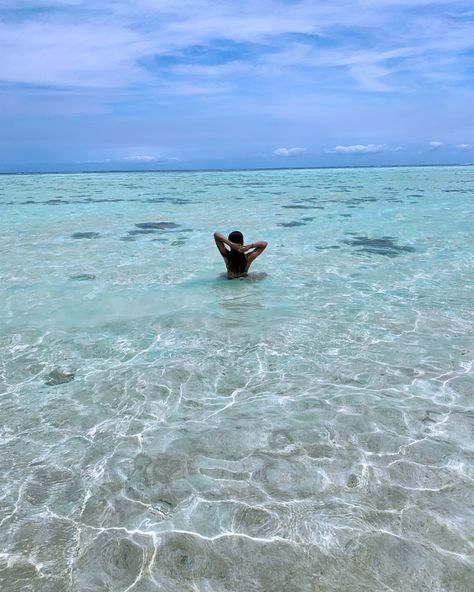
pixel 308 428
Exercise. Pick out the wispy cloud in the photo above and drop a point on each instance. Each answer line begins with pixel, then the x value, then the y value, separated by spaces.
pixel 139 158
pixel 435 145
pixel 136 159
pixel 359 149
pixel 289 151
pixel 379 46
pixel 465 146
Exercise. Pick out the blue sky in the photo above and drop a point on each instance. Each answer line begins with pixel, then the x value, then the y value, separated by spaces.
pixel 263 83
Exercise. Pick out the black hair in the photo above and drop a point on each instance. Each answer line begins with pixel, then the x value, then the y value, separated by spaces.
pixel 236 237
pixel 237 261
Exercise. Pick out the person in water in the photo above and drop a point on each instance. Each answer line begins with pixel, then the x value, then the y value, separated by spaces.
pixel 240 256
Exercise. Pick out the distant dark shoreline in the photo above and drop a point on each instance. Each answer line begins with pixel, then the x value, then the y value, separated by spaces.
pixel 230 170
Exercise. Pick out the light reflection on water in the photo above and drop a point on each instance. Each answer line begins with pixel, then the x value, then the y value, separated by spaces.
pixel 310 431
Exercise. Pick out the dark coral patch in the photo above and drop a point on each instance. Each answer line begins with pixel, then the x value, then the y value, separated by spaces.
pixel 385 245
pixel 290 224
pixel 156 225
pixel 85 235
pixel 57 376
pixel 143 231
pixel 82 277
pixel 179 202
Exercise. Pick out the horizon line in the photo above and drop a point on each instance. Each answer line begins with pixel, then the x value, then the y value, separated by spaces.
pixel 231 169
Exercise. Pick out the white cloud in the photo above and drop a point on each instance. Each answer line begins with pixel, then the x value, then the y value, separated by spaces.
pixel 435 145
pixel 465 146
pixel 139 158
pixel 360 149
pixel 147 159
pixel 289 151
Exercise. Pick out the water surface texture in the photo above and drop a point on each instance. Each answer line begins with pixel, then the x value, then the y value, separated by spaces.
pixel 164 428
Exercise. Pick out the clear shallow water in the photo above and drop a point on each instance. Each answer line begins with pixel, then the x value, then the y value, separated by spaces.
pixel 308 431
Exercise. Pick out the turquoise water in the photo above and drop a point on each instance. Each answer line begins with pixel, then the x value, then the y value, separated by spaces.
pixel 167 429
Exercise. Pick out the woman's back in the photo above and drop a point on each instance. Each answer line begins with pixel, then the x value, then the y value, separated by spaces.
pixel 236 260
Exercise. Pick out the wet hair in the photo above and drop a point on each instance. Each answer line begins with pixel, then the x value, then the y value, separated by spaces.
pixel 237 261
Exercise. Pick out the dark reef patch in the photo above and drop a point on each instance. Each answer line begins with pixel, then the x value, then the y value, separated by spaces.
pixel 156 225
pixel 360 200
pixel 142 231
pixel 290 224
pixel 298 207
pixel 85 235
pixel 172 200
pixel 57 376
pixel 385 245
pixel 154 228
pixel 180 202
pixel 82 277
pixel 108 200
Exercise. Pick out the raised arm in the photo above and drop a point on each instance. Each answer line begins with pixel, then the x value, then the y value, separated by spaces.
pixel 221 241
pixel 258 248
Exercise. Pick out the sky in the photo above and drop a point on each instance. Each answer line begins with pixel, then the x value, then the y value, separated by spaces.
pixel 162 84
